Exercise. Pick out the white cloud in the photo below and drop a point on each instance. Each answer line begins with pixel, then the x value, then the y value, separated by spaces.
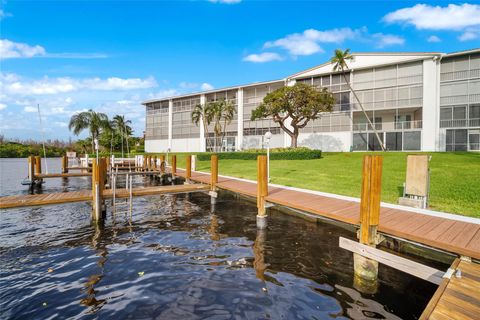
pixel 469 34
pixel 206 86
pixel 10 49
pixel 3 106
pixel 61 124
pixel 385 40
pixel 423 16
pixel 308 42
pixel 225 1
pixel 30 109
pixel 13 84
pixel 434 39
pixel 263 57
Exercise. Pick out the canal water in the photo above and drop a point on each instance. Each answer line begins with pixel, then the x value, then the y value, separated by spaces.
pixel 179 257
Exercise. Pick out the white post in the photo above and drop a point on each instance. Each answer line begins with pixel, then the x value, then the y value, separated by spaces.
pixel 268 136
pixel 239 144
pixel 96 147
pixel 430 109
pixel 203 146
pixel 170 123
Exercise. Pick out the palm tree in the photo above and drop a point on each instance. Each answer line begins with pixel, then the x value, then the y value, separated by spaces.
pixel 95 122
pixel 222 112
pixel 339 61
pixel 122 127
pixel 202 112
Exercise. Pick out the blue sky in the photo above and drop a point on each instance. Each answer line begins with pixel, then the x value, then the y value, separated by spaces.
pixel 70 56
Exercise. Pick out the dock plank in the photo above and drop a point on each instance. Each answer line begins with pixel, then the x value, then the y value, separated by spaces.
pixel 461 238
pixel 457 297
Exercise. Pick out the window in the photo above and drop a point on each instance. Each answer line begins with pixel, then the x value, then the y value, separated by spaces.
pixel 373 143
pixel 411 140
pixel 359 142
pixel 394 141
pixel 456 140
pixel 474 112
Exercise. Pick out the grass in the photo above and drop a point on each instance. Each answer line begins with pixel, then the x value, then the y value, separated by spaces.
pixel 454 182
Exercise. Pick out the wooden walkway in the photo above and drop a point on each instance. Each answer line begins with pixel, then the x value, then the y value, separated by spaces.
pixel 458 237
pixel 456 297
pixel 86 195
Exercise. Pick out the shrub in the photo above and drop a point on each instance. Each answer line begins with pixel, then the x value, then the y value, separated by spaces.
pixel 275 154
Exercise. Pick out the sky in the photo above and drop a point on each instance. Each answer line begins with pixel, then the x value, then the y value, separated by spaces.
pixel 109 56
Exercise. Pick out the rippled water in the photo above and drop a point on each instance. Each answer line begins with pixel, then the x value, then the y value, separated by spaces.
pixel 179 257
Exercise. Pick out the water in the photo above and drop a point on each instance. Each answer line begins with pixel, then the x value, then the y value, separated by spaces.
pixel 179 257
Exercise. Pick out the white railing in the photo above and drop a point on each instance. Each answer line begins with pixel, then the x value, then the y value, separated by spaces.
pixel 459 123
pixel 389 126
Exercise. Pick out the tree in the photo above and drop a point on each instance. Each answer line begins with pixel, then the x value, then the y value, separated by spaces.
pixel 339 61
pixel 122 128
pixel 202 112
pixel 94 122
pixel 300 103
pixel 220 113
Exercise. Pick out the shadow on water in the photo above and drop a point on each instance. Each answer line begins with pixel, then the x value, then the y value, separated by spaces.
pixel 179 256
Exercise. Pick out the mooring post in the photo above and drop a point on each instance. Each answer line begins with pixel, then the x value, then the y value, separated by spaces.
pixel 213 178
pixel 65 164
pixel 366 270
pixel 174 165
pixel 262 191
pixel 154 163
pixel 98 185
pixel 38 165
pixel 162 164
pixel 144 163
pixel 31 168
pixel 188 173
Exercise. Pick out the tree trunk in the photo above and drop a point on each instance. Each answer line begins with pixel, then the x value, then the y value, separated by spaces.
pixel 93 143
pixel 294 138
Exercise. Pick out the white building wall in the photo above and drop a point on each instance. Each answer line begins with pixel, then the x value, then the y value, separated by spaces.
pixel 170 123
pixel 431 109
pixel 156 145
pixel 256 142
pixel 203 146
pixel 326 141
pixel 186 145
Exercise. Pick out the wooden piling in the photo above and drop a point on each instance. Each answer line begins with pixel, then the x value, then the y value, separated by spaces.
pixel 370 198
pixel 38 165
pixel 214 172
pixel 144 162
pixel 188 173
pixel 174 164
pixel 31 168
pixel 98 186
pixel 154 166
pixel 262 184
pixel 366 270
pixel 162 164
pixel 65 164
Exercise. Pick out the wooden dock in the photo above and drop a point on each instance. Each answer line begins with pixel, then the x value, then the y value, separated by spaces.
pixel 86 195
pixel 62 175
pixel 457 237
pixel 457 297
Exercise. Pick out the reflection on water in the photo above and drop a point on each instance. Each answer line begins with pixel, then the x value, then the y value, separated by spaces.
pixel 178 256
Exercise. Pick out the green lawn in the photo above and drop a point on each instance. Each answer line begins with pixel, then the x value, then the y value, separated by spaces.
pixel 454 186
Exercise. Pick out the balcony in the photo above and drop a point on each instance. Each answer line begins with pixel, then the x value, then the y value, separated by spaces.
pixel 464 123
pixel 389 126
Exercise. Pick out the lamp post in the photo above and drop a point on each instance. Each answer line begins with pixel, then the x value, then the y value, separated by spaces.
pixel 268 136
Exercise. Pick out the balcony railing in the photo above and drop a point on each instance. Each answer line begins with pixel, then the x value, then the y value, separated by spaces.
pixel 389 126
pixel 459 123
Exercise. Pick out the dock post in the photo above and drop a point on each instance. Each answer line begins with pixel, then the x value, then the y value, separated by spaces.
pixel 366 270
pixel 162 164
pixel 213 178
pixel 98 185
pixel 188 173
pixel 31 169
pixel 174 165
pixel 154 163
pixel 144 163
pixel 38 166
pixel 262 191
pixel 65 164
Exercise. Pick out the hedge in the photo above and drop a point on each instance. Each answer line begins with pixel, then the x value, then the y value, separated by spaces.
pixel 275 154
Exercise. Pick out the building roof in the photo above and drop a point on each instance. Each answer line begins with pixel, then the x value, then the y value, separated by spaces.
pixel 212 91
